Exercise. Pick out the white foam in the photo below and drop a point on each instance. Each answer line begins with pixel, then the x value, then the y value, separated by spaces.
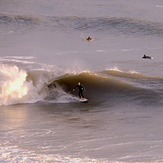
pixel 118 70
pixel 114 69
pixel 14 88
pixel 133 72
pixel 18 59
pixel 13 153
pixel 159 6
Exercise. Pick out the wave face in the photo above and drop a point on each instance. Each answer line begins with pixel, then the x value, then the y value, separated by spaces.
pixel 114 86
pixel 111 25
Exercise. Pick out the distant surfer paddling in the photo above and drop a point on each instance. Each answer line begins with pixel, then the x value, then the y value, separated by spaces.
pixel 146 57
pixel 81 89
pixel 89 38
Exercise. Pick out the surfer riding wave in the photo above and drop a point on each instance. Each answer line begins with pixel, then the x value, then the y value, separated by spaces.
pixel 81 89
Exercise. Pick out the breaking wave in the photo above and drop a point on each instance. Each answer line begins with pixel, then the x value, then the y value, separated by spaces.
pixel 19 86
pixel 114 85
pixel 14 88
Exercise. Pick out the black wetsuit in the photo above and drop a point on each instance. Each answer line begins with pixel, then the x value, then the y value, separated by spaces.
pixel 81 89
pixel 146 57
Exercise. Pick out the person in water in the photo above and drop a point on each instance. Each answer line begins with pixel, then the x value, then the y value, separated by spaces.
pixel 146 57
pixel 81 89
pixel 89 38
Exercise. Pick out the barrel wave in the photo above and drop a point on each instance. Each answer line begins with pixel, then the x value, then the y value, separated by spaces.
pixel 114 86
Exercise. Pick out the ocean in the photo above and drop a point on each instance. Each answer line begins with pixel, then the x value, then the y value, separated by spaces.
pixel 44 54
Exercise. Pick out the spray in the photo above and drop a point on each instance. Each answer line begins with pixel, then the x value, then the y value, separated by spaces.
pixel 13 86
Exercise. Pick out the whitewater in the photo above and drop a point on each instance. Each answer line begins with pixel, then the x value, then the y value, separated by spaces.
pixel 44 53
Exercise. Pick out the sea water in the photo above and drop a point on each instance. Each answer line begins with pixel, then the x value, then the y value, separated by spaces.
pixel 44 53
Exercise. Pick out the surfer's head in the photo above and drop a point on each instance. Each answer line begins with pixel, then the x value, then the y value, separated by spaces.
pixel 78 83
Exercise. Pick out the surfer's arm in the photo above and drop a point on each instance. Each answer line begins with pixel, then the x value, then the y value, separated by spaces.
pixel 74 88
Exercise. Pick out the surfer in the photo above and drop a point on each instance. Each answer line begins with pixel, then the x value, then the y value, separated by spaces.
pixel 81 89
pixel 89 38
pixel 146 57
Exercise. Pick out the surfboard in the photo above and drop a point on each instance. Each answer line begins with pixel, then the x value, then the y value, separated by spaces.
pixel 83 100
